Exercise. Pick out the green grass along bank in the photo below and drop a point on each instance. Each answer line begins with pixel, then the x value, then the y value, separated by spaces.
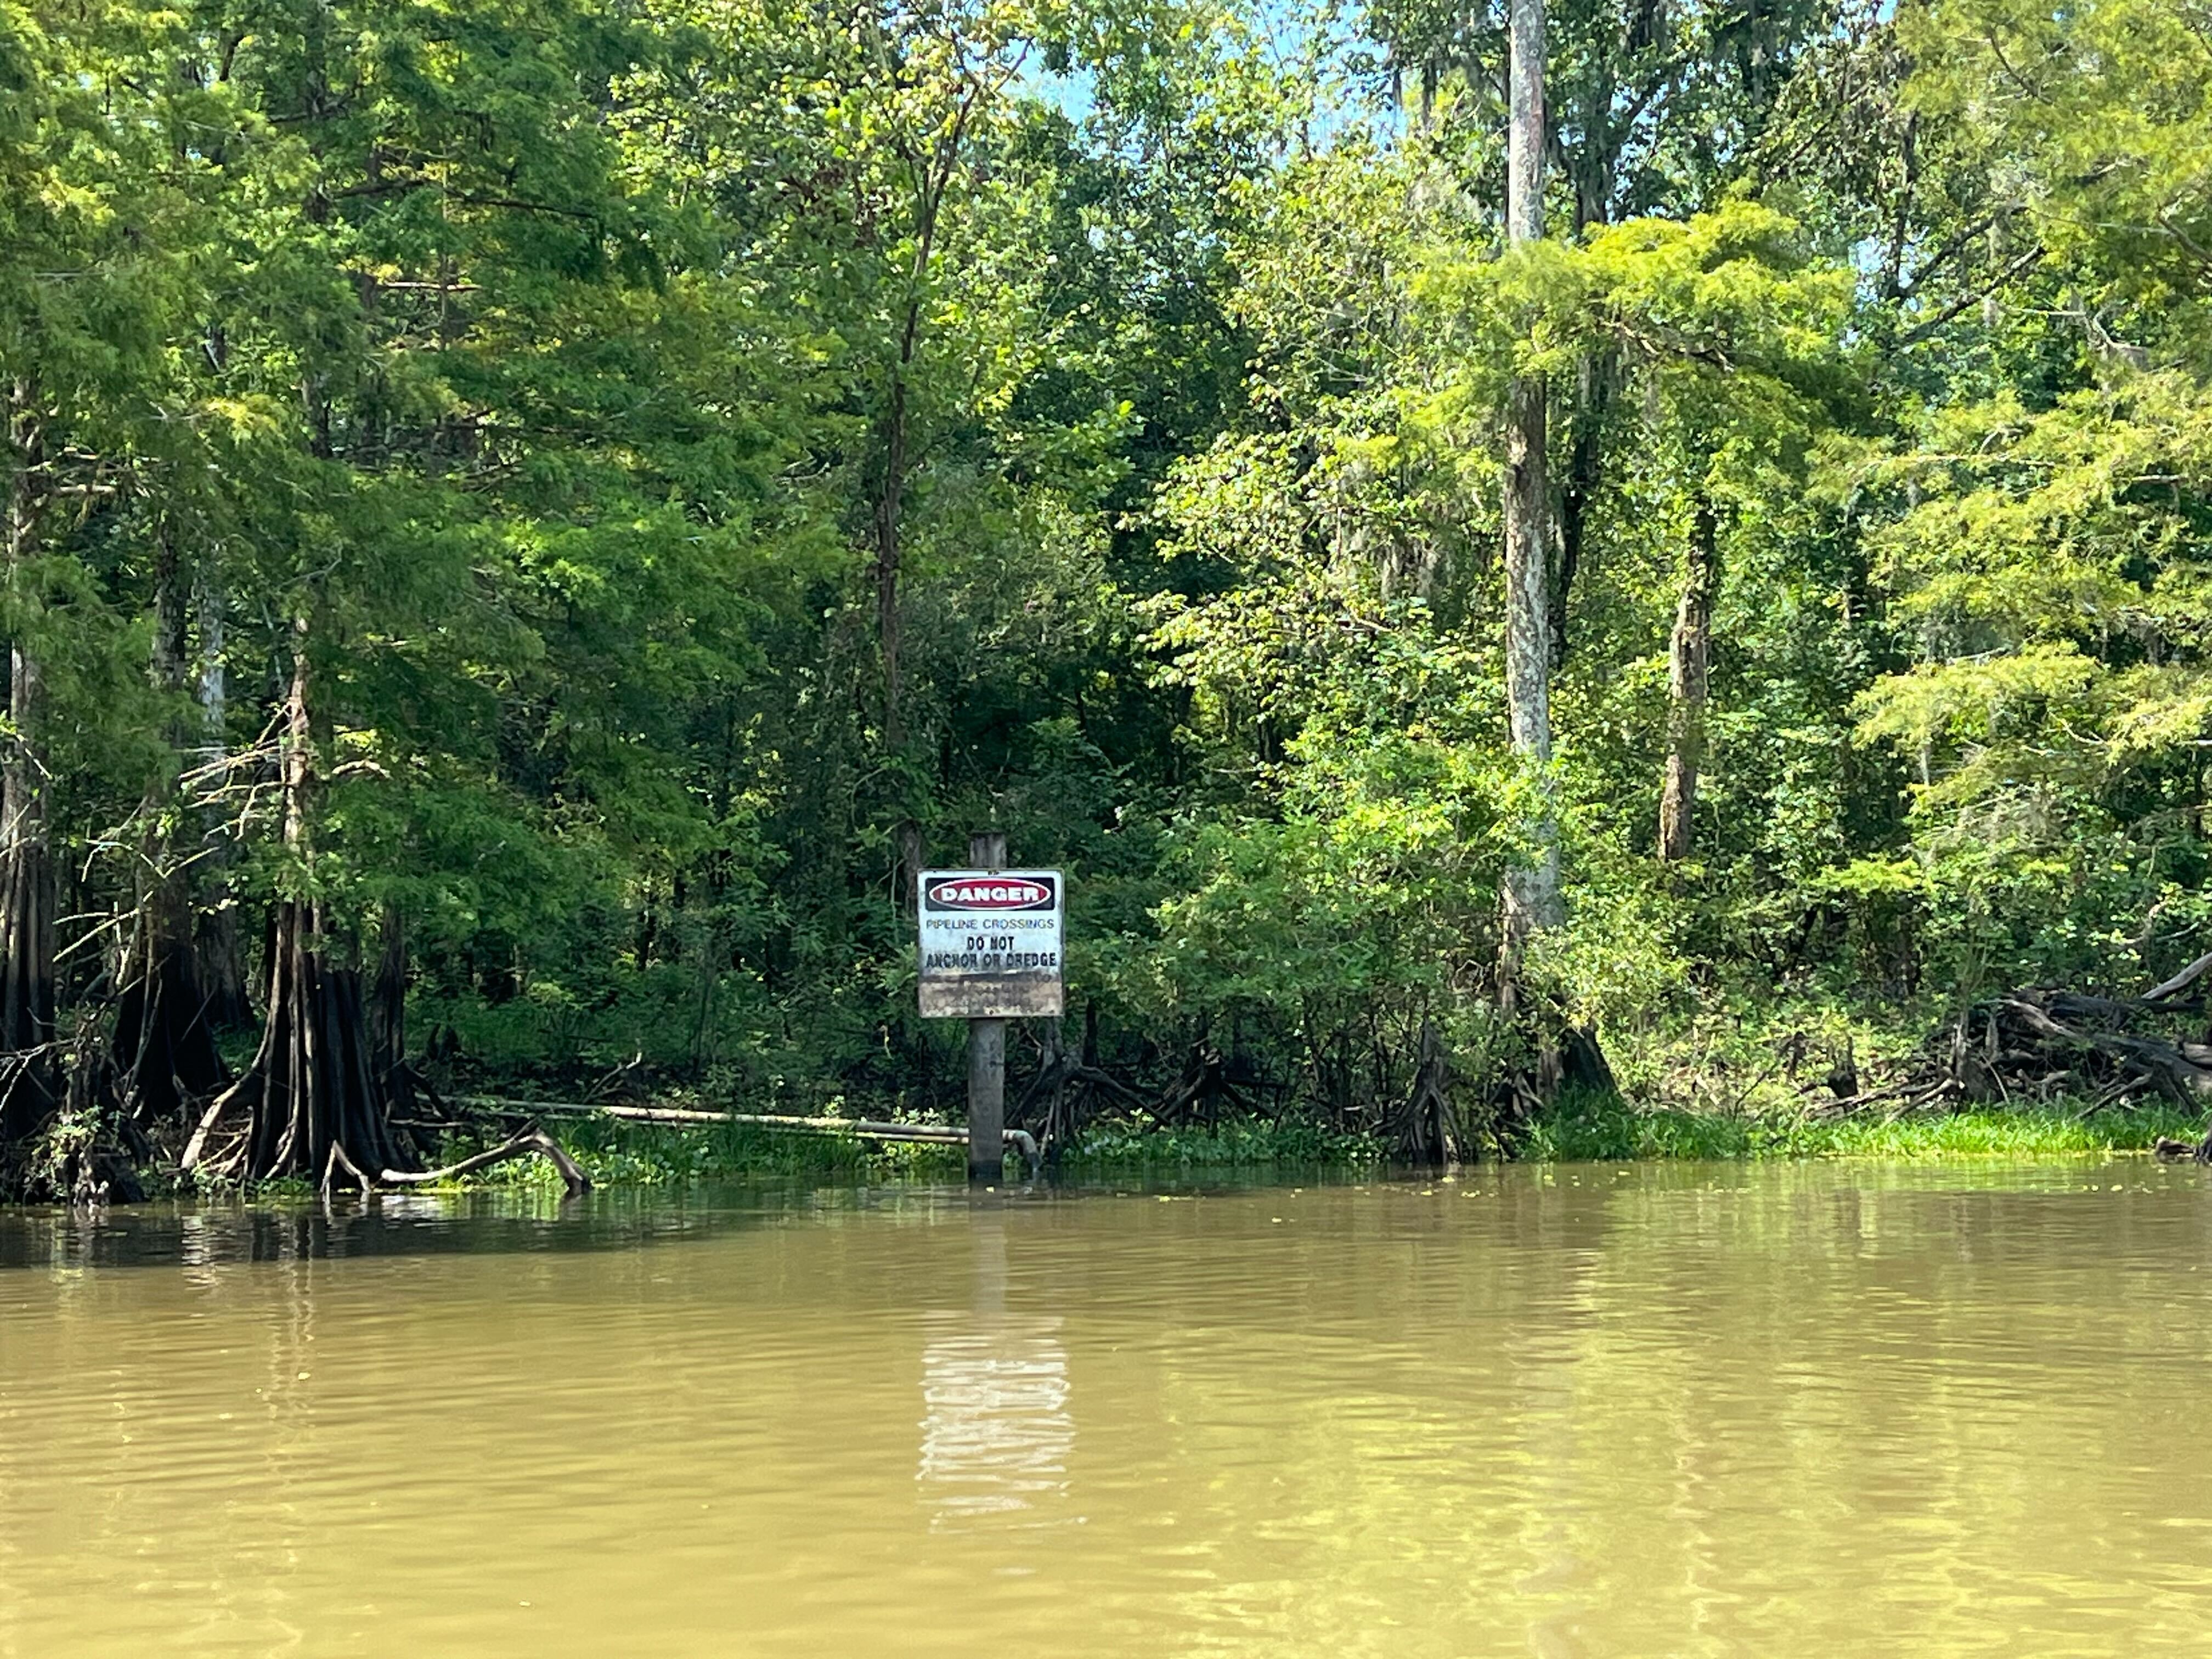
pixel 615 1153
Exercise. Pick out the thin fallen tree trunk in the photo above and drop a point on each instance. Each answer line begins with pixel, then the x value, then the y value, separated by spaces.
pixel 529 1143
pixel 942 1134
pixel 1907 1095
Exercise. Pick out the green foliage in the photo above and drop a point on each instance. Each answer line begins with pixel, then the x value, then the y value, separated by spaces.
pixel 1582 1130
pixel 701 452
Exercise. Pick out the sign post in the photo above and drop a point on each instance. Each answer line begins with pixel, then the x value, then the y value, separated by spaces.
pixel 990 952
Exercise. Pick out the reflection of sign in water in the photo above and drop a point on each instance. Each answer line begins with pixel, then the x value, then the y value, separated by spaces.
pixel 996 1431
pixel 991 944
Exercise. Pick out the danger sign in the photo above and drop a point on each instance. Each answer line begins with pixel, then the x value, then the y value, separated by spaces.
pixel 991 944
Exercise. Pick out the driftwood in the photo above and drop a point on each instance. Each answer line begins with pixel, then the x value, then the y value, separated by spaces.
pixel 2029 1044
pixel 2040 1042
pixel 529 1143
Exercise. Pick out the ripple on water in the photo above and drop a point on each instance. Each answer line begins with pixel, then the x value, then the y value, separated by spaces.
pixel 1603 1410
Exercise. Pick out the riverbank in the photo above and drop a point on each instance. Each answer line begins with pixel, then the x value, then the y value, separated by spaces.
pixel 617 1153
pixel 1614 1131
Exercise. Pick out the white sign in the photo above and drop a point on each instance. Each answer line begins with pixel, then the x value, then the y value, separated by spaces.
pixel 991 944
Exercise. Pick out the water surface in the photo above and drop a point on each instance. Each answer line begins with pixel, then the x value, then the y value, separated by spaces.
pixel 1581 1410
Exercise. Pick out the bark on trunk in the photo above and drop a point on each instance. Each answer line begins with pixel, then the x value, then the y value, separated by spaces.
pixel 890 507
pixel 30 1069
pixel 906 872
pixel 313 1099
pixel 219 953
pixel 1532 890
pixel 387 1014
pixel 1689 657
pixel 1525 138
pixel 165 1051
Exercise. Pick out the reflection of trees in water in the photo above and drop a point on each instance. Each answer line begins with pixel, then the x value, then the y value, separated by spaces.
pixel 214 1233
pixel 996 1431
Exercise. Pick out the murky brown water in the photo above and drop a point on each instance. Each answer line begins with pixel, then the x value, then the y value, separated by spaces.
pixel 1619 1412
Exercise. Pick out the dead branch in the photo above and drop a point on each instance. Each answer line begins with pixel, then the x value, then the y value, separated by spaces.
pixel 2182 981
pixel 530 1142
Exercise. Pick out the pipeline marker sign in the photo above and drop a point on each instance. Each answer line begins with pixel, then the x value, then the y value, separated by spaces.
pixel 991 944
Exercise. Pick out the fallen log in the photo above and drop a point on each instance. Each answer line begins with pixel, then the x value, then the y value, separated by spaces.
pixel 522 1146
pixel 530 1143
pixel 941 1135
pixel 2022 1044
pixel 2158 1060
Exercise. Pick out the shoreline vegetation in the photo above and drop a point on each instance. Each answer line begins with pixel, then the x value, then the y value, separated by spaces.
pixel 1557 578
pixel 617 1154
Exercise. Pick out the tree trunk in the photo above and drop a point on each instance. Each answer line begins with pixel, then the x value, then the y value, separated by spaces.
pixel 164 1049
pixel 889 505
pixel 1593 397
pixel 387 1013
pixel 30 1069
pixel 1532 890
pixel 889 508
pixel 314 1099
pixel 219 953
pixel 1689 656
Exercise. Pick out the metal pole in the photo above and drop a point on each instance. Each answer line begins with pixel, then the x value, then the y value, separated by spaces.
pixel 986 1053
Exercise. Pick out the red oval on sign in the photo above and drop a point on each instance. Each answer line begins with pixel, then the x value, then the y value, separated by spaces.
pixel 990 893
